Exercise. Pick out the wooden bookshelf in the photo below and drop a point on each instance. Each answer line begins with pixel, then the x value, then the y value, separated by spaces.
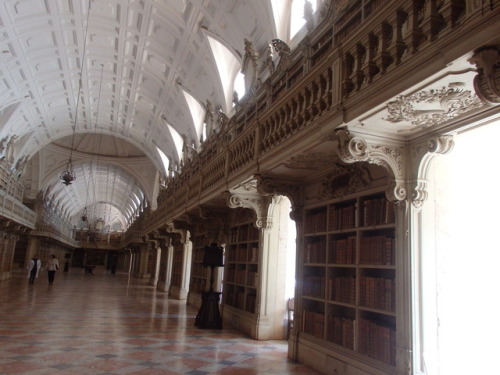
pixel 348 286
pixel 242 268
pixel 199 274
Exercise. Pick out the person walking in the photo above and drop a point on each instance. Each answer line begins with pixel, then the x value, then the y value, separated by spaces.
pixel 34 268
pixel 52 267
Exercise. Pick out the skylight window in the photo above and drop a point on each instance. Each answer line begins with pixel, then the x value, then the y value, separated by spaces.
pixel 197 113
pixel 239 85
pixel 228 66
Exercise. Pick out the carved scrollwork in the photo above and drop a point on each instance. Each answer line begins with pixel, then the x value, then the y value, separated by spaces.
pixel 422 156
pixel 487 81
pixel 246 195
pixel 184 233
pixel 396 191
pixel 353 149
pixel 440 105
pixel 344 180
pixel 292 191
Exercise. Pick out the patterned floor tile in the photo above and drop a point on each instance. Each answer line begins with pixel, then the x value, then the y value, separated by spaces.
pixel 116 325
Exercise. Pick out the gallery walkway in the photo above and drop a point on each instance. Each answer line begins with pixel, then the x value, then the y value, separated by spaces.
pixel 112 324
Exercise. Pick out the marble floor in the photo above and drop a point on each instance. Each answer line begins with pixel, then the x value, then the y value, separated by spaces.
pixel 112 324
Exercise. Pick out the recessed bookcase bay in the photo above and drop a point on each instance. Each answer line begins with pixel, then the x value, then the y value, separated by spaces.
pixel 242 268
pixel 199 273
pixel 348 287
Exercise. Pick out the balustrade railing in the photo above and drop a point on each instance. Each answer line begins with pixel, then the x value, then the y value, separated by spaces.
pixel 354 45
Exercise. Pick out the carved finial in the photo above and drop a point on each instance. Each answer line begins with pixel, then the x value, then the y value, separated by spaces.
pixel 283 50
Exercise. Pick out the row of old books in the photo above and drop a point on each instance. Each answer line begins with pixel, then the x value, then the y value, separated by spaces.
pixel 377 341
pixel 377 250
pixel 313 286
pixel 315 222
pixel 343 288
pixel 378 293
pixel 340 330
pixel 252 277
pixel 313 323
pixel 314 252
pixel 243 233
pixel 342 217
pixel 237 254
pixel 378 211
pixel 343 251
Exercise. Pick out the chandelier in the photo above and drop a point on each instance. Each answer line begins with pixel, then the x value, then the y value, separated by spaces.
pixel 68 175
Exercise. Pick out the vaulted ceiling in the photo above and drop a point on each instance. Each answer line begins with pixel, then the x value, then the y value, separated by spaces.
pixel 134 58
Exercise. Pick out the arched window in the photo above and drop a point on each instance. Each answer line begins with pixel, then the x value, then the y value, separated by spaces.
pixel 289 16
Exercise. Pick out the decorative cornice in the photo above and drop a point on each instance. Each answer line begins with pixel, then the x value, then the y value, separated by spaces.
pixel 487 81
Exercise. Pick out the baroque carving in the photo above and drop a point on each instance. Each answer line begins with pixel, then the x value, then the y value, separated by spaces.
pixel 184 233
pixel 487 81
pixel 345 180
pixel 353 149
pixel 422 156
pixel 246 195
pixel 276 186
pixel 427 108
pixel 283 50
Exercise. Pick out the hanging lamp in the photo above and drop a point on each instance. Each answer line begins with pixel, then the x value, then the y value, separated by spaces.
pixel 68 175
